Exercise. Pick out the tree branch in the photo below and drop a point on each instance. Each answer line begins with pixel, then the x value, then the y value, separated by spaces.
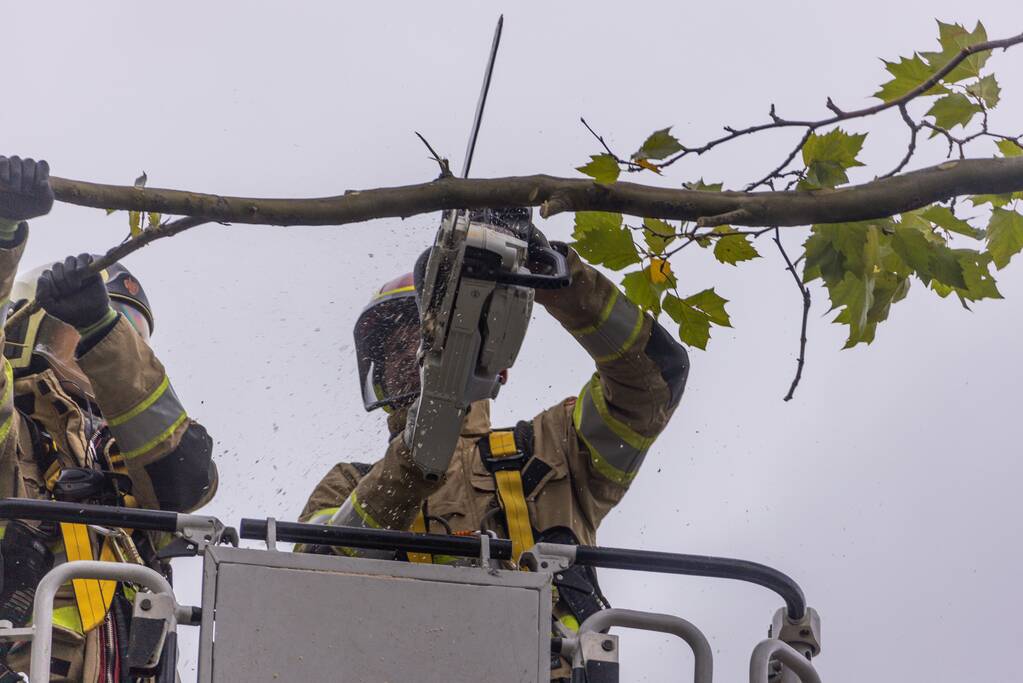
pixel 806 314
pixel 117 253
pixel 877 199
pixel 840 115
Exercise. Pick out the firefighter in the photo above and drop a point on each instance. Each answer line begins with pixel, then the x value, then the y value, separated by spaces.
pixel 552 478
pixel 88 415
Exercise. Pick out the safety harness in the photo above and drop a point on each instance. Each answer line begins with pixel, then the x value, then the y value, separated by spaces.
pixel 508 455
pixel 93 597
pixel 505 457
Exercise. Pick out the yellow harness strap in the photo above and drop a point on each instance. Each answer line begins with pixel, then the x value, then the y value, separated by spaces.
pixel 93 596
pixel 511 495
pixel 419 527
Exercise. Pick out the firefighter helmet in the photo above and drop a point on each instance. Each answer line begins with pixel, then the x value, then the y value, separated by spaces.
pixel 41 336
pixel 386 342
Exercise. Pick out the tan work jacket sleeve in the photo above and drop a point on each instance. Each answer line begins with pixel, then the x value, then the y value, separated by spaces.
pixel 640 376
pixel 9 423
pixel 168 455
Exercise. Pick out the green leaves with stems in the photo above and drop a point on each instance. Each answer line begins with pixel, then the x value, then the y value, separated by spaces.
pixel 828 156
pixel 695 315
pixel 603 168
pixel 601 240
pixel 660 145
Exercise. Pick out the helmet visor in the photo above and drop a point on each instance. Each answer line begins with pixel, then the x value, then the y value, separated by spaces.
pixel 135 317
pixel 387 348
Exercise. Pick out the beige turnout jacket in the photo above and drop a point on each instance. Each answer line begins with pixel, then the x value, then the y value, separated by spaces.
pixel 593 444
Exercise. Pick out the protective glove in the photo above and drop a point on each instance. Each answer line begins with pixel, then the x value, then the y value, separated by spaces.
pixel 25 191
pixel 70 293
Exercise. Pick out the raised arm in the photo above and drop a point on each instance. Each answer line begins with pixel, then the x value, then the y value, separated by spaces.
pixel 24 193
pixel 167 455
pixel 641 373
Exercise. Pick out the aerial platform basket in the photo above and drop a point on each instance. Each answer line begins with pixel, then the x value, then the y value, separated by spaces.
pixel 269 616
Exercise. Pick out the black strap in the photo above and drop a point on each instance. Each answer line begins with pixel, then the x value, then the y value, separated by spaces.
pixel 577 586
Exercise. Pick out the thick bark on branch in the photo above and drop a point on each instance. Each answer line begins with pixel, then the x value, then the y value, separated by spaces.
pixel 877 199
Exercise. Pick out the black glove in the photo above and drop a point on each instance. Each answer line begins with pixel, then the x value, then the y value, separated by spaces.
pixel 25 190
pixel 68 292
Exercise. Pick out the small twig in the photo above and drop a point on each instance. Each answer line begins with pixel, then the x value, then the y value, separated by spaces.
pixel 445 167
pixel 914 128
pixel 117 253
pixel 777 173
pixel 806 313
pixel 632 166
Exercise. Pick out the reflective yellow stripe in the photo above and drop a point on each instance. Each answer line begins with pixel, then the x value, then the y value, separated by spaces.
pixel 92 596
pixel 363 515
pixel 5 428
pixel 399 290
pixel 322 516
pixel 616 450
pixel 69 619
pixel 570 622
pixel 141 407
pixel 149 445
pixel 419 527
pixel 636 329
pixel 605 313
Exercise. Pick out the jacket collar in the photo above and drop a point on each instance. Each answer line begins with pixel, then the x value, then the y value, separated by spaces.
pixel 477 422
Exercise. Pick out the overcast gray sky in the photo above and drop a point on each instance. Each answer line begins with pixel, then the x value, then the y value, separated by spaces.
pixel 888 488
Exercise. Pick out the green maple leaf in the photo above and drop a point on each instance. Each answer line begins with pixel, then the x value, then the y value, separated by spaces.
pixel 695 315
pixel 658 234
pixel 601 239
pixel 952 110
pixel 1009 148
pixel 854 295
pixel 693 324
pixel 602 168
pixel 953 38
pixel 712 304
pixel 828 156
pixel 642 291
pixel 733 249
pixel 987 89
pixel 995 200
pixel 943 217
pixel 908 73
pixel 1004 236
pixel 931 260
pixel 834 248
pixel 980 283
pixel 659 145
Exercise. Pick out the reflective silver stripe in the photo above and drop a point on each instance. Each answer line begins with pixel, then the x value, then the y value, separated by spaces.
pixel 351 513
pixel 149 423
pixel 616 450
pixel 616 331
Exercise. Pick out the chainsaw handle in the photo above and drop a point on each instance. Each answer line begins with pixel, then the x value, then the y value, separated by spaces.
pixel 557 266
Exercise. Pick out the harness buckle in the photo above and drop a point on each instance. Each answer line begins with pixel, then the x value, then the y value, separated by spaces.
pixel 500 453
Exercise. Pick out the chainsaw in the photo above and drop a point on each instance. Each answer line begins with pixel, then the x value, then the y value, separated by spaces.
pixel 476 298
